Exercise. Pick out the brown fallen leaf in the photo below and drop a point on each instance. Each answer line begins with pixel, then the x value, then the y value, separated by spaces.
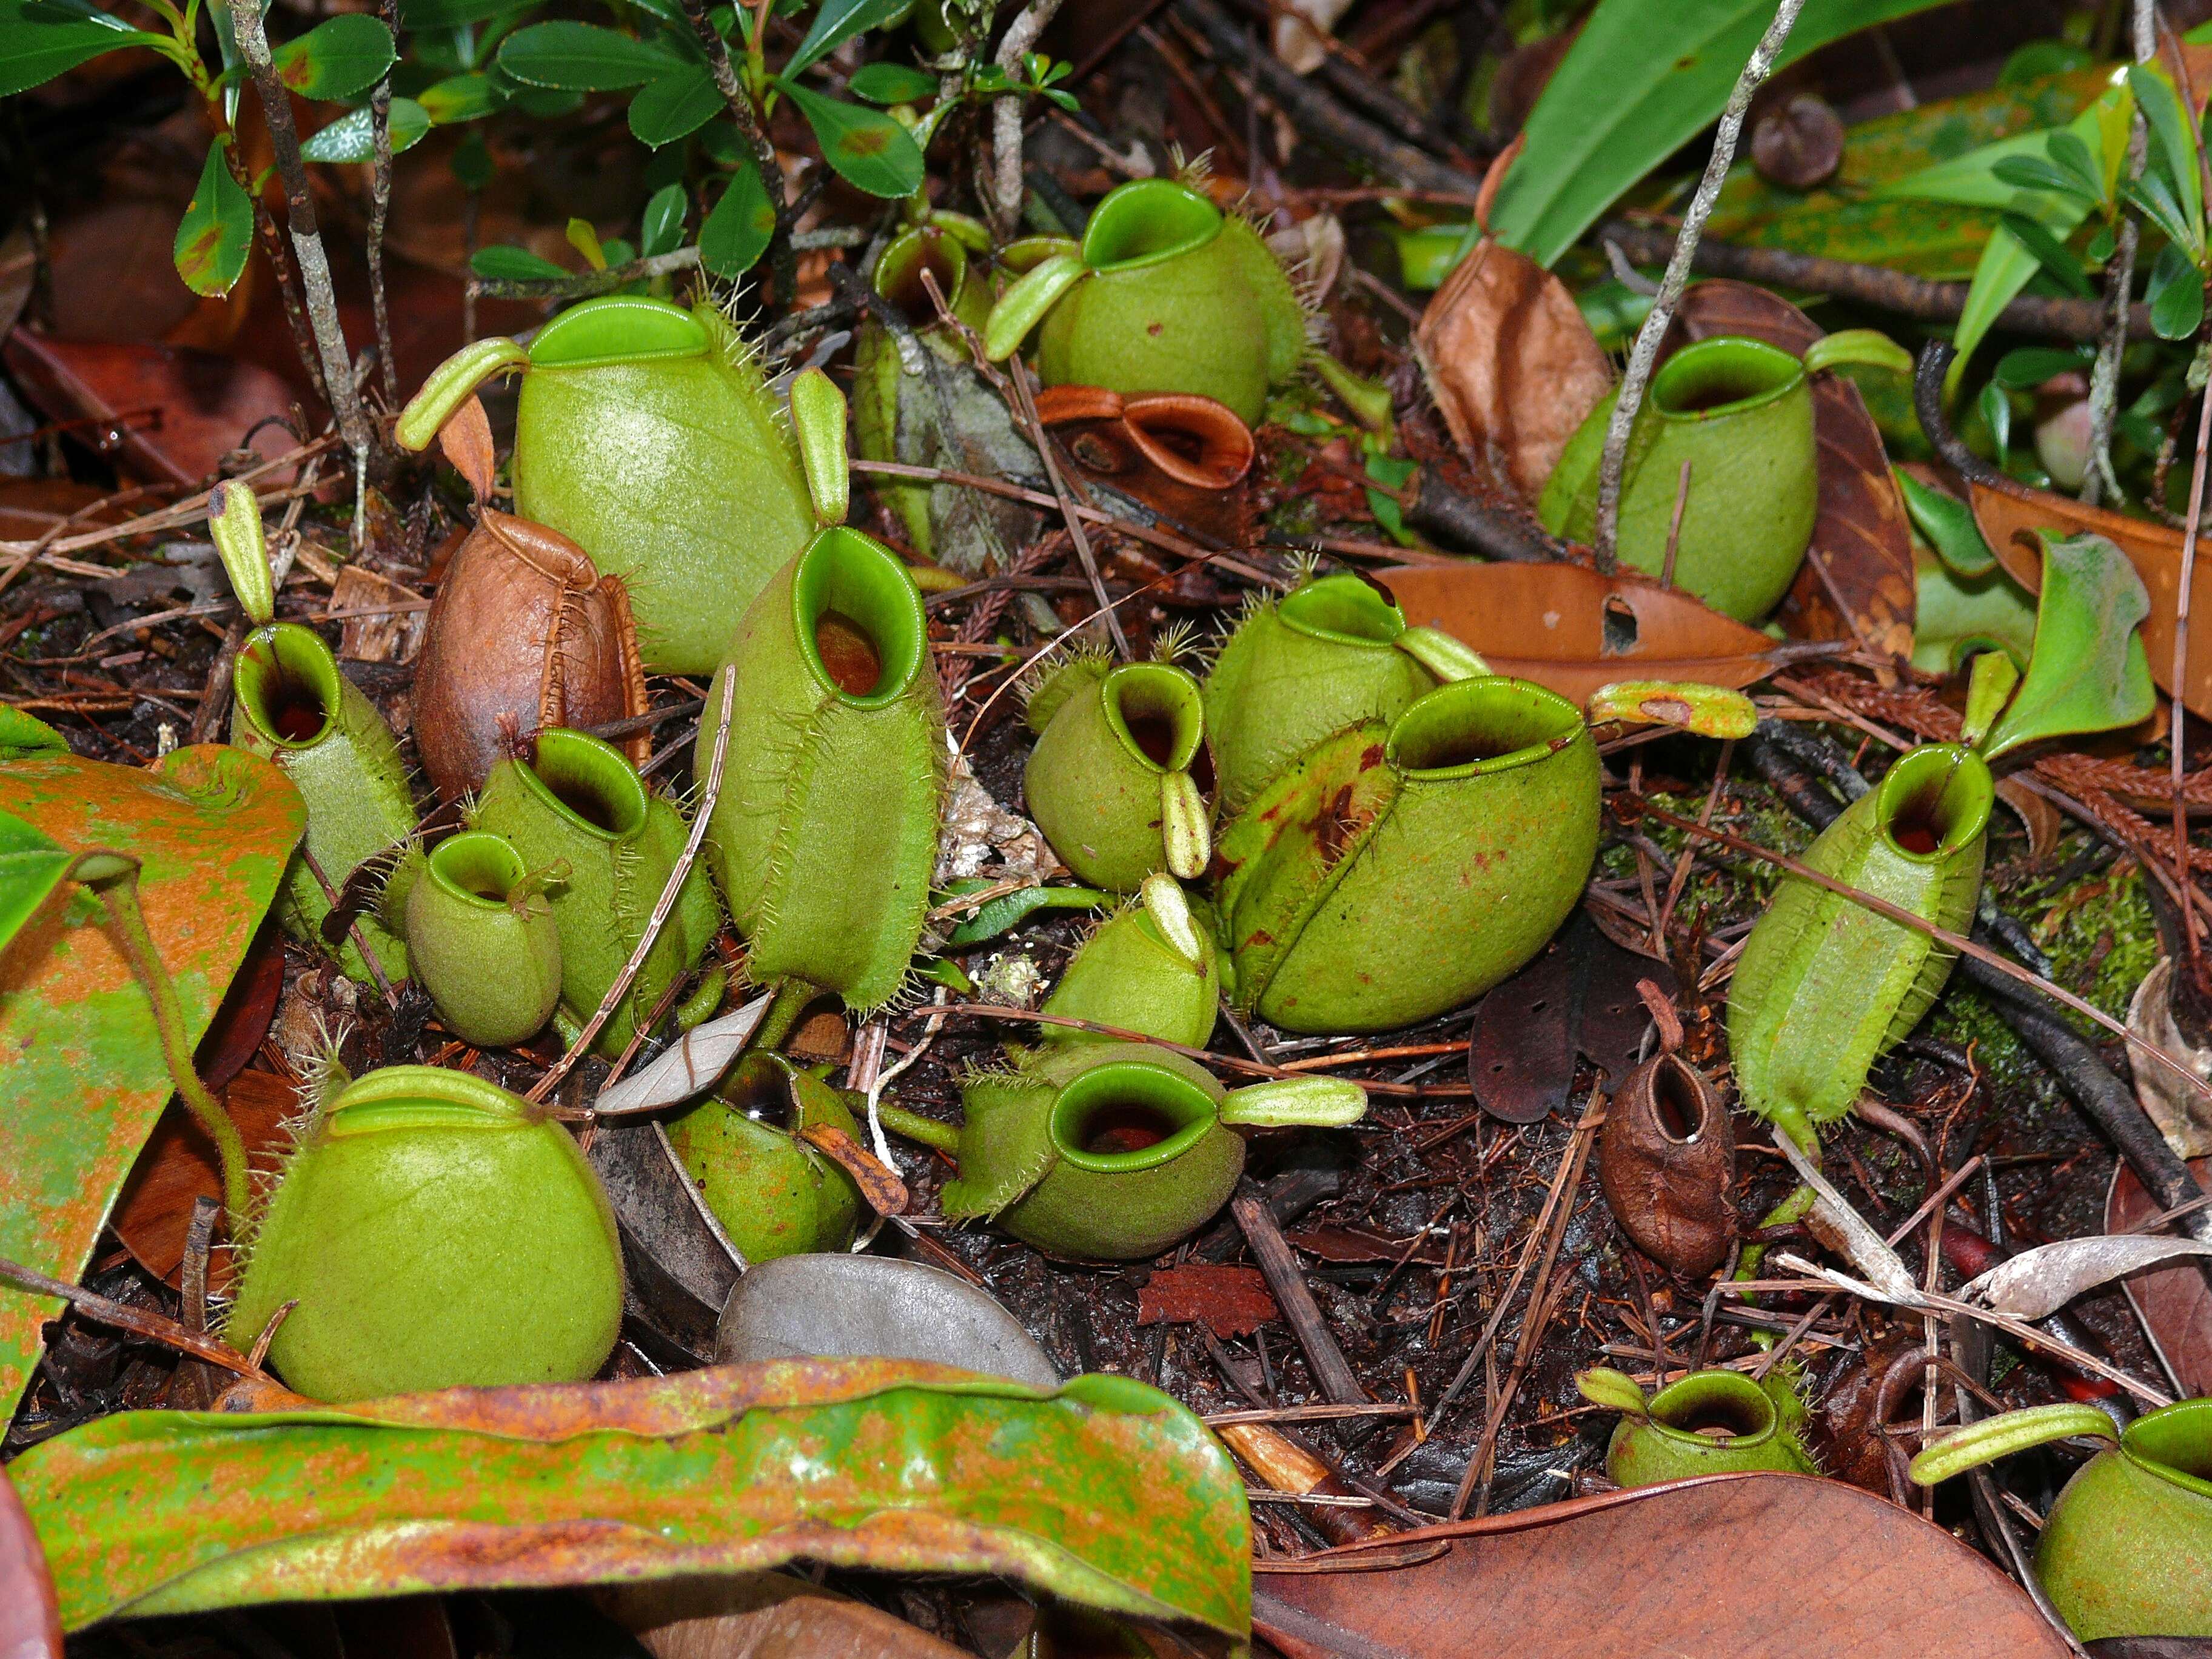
pixel 1566 627
pixel 178 410
pixel 1227 1301
pixel 2037 815
pixel 1356 1244
pixel 30 507
pixel 30 1619
pixel 760 1615
pixel 177 1166
pixel 1856 582
pixel 389 621
pixel 1725 1567
pixel 878 1183
pixel 2175 1304
pixel 247 1010
pixel 2011 514
pixel 1578 997
pixel 465 438
pixel 1511 363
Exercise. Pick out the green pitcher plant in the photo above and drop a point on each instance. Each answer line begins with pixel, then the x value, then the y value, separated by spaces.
pixel 2127 1548
pixel 1113 782
pixel 1825 985
pixel 647 435
pixel 1153 967
pixel 291 705
pixel 430 1231
pixel 1112 1150
pixel 1400 867
pixel 578 802
pixel 826 833
pixel 1334 652
pixel 1165 292
pixel 1738 414
pixel 1711 1422
pixel 773 1194
pixel 483 941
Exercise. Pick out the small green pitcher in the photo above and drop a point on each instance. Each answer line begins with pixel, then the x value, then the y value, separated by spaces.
pixel 1739 413
pixel 483 939
pixel 2127 1549
pixel 1398 869
pixel 1166 294
pixel 1152 966
pixel 1716 1422
pixel 773 1192
pixel 1117 1151
pixel 1111 781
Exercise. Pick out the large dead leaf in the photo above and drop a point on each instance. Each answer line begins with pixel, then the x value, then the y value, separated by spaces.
pixel 177 410
pixel 1511 363
pixel 81 1077
pixel 1727 1567
pixel 1856 582
pixel 2175 1304
pixel 178 1167
pixel 762 1615
pixel 1566 627
pixel 2011 514
pixel 1578 997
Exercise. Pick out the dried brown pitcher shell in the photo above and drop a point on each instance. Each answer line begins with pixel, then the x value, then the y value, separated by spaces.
pixel 1666 1161
pixel 1182 455
pixel 524 633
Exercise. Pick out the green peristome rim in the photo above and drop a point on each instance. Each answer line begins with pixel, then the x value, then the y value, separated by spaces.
pixel 1754 372
pixel 1703 1389
pixel 1517 721
pixel 1138 689
pixel 584 762
pixel 1146 221
pixel 423 1097
pixel 1130 1083
pixel 1345 609
pixel 618 328
pixel 1961 810
pixel 477 853
pixel 2175 1443
pixel 859 577
pixel 273 651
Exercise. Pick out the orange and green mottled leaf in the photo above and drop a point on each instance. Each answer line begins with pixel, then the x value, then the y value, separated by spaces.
pixel 1106 1493
pixel 81 1080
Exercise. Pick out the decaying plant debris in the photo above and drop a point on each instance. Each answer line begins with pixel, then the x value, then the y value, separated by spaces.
pixel 872 828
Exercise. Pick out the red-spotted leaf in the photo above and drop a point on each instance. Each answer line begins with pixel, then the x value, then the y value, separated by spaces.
pixel 869 149
pixel 339 59
pixel 216 232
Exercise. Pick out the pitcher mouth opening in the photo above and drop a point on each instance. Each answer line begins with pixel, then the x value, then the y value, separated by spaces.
pixel 1716 1407
pixel 1478 725
pixel 477 867
pixel 1146 221
pixel 859 617
pixel 1195 440
pixel 1345 609
pixel 899 272
pixel 589 782
pixel 1157 712
pixel 1933 801
pixel 1129 1115
pixel 1677 1104
pixel 1725 375
pixel 288 684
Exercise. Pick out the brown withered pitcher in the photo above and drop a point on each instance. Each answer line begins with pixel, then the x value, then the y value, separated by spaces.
pixel 524 633
pixel 1184 456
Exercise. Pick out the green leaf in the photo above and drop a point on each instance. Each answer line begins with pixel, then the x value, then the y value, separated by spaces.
pixel 892 83
pixel 1103 1492
pixel 1996 411
pixel 2153 196
pixel 1947 524
pixel 31 866
pixel 41 38
pixel 452 13
pixel 1640 82
pixel 2032 172
pixel 2071 156
pixel 570 57
pixel 2087 671
pixel 738 232
pixel 352 136
pixel 2029 367
pixel 2174 147
pixel 472 163
pixel 1009 910
pixel 662 229
pixel 2177 295
pixel 337 59
pixel 838 22
pixel 2051 254
pixel 1956 615
pixel 869 151
pixel 23 735
pixel 457 98
pixel 80 1064
pixel 513 265
pixel 674 106
pixel 216 232
pixel 2041 57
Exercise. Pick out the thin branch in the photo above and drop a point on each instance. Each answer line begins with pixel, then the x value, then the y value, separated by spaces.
pixel 1614 461
pixel 379 208
pixel 2119 283
pixel 585 284
pixel 781 260
pixel 287 276
pixel 1875 285
pixel 1021 36
pixel 249 18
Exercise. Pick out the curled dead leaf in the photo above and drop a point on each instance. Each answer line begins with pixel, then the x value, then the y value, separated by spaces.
pixel 177 1166
pixel 2175 1304
pixel 466 439
pixel 1511 363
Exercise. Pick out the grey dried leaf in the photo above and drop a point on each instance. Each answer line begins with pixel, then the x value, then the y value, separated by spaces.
pixel 690 1067
pixel 2037 1283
